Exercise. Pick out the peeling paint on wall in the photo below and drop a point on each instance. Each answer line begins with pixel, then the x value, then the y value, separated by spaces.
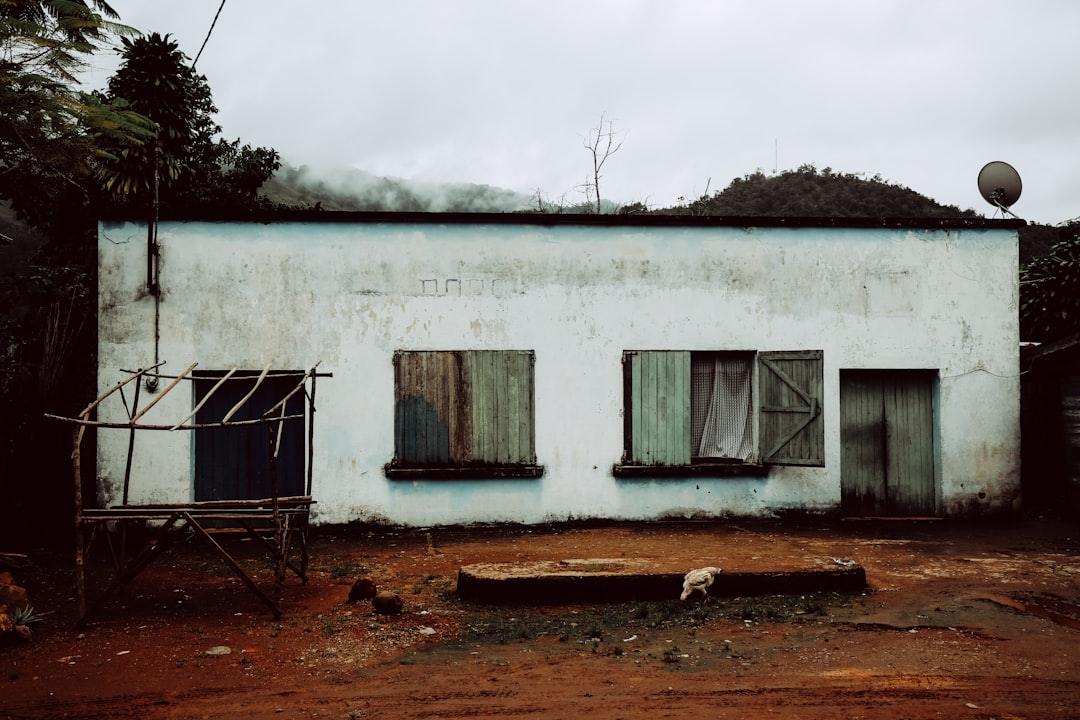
pixel 351 294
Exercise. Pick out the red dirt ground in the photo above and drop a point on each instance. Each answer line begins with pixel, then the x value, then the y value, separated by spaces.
pixel 961 621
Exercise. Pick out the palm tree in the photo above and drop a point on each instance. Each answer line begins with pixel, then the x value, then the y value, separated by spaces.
pixel 155 81
pixel 187 167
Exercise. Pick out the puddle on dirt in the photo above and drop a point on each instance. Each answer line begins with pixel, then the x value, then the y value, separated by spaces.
pixel 1051 608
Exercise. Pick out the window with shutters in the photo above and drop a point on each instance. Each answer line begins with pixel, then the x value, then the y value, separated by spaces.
pixel 464 414
pixel 704 413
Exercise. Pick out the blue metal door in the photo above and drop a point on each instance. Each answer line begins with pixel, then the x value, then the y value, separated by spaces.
pixel 233 463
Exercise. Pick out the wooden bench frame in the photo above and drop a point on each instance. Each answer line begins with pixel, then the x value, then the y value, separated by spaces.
pixel 286 516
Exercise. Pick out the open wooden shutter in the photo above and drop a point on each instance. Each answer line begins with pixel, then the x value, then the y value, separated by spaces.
pixel 791 425
pixel 658 402
pixel 502 406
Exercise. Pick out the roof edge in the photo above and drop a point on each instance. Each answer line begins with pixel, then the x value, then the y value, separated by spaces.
pixel 552 219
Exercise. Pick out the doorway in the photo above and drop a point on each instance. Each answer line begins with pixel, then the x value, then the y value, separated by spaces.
pixel 234 463
pixel 887 454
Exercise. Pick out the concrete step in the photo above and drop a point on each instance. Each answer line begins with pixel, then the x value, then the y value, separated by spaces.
pixel 592 580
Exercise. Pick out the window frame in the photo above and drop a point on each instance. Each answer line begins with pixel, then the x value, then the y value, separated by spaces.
pixel 792 411
pixel 467 406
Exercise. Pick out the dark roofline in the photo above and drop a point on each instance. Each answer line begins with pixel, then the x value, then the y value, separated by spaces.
pixel 552 219
pixel 1032 353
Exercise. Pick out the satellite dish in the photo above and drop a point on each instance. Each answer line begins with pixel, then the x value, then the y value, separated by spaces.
pixel 999 184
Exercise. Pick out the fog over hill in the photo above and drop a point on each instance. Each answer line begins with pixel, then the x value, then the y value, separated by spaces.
pixel 356 190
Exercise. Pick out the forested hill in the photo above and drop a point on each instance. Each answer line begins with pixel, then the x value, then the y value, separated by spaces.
pixel 806 192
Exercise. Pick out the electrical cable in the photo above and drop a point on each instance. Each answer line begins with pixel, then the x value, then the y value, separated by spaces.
pixel 208 33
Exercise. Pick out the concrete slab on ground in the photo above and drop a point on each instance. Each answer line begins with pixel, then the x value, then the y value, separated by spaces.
pixel 621 579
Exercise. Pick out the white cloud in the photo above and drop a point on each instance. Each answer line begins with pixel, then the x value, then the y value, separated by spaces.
pixel 502 92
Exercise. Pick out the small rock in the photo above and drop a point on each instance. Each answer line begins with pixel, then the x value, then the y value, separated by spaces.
pixel 362 589
pixel 219 650
pixel 387 603
pixel 427 630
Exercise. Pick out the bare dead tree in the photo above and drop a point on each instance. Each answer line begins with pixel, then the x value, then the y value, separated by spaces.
pixel 538 203
pixel 602 144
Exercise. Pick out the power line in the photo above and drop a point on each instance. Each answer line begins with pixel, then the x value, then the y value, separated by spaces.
pixel 208 32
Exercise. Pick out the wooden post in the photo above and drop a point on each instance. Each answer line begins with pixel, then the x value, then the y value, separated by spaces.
pixel 279 538
pixel 159 545
pixel 311 433
pixel 80 561
pixel 303 521
pixel 131 444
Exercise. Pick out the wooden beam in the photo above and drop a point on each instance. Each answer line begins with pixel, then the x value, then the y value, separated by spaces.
pixel 164 392
pixel 299 386
pixel 117 386
pixel 202 402
pixel 193 426
pixel 247 397
pixel 244 577
pixel 159 545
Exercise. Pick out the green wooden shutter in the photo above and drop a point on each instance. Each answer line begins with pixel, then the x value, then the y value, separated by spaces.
pixel 502 406
pixel 432 418
pixel 791 425
pixel 659 406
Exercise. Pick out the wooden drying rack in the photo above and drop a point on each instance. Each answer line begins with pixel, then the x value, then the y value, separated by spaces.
pixel 287 515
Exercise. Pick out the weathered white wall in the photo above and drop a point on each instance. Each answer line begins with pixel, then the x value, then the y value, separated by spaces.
pixel 350 294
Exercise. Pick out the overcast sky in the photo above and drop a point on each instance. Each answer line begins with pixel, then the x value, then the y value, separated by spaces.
pixel 920 92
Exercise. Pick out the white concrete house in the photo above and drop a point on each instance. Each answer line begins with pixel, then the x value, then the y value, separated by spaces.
pixel 534 368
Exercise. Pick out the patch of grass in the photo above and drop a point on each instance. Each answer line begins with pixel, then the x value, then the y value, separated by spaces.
pixel 329 625
pixel 343 570
pixel 594 623
pixel 784 608
pixel 593 567
pixel 427 580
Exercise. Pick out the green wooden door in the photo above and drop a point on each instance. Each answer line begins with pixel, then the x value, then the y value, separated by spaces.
pixel 887 443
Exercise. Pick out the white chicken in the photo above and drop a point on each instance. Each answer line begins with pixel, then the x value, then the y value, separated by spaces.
pixel 699 579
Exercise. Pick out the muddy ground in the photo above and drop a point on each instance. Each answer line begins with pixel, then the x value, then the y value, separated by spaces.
pixel 961 620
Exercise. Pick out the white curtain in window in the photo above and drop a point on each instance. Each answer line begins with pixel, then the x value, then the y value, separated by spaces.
pixel 721 413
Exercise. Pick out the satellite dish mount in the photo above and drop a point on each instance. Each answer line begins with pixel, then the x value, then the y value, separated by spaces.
pixel 1000 185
